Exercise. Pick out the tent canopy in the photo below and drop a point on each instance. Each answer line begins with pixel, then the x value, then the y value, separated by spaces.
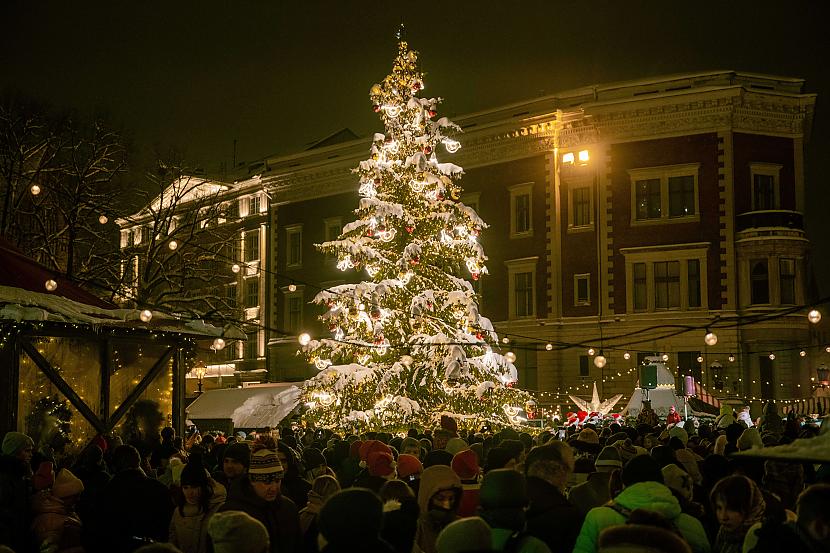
pixel 250 407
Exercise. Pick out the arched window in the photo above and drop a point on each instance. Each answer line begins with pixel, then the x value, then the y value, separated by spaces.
pixel 759 282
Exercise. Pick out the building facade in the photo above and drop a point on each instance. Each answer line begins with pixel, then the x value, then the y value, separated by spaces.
pixel 626 220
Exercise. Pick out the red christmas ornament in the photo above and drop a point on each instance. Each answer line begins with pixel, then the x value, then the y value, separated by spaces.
pixel 409 228
pixel 376 108
pixel 432 113
pixel 427 150
pixel 475 276
pixel 479 336
pixel 510 384
pixel 378 181
pixel 416 85
pixel 332 327
pixel 369 232
pixel 415 260
pixel 440 196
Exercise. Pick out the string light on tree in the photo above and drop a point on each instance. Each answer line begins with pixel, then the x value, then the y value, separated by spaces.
pixel 304 339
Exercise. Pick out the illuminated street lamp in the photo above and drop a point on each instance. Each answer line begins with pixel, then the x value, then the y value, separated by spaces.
pixel 199 371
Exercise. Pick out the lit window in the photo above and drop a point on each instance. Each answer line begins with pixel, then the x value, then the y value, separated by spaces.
pixel 583 156
pixel 568 158
pixel 254 205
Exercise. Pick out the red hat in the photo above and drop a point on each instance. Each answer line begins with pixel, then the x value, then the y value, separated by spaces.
pixel 380 463
pixel 371 446
pixel 409 465
pixel 101 442
pixel 465 464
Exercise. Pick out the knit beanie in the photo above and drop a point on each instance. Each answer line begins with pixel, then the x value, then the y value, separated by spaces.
pixel 465 464
pixel 408 465
pixel 313 458
pixel 588 436
pixel 410 443
pixel 454 445
pixel 466 534
pixel 679 433
pixel 239 452
pixel 66 484
pixel 193 474
pixel 438 457
pixel 642 468
pixel 678 480
pixel 627 450
pixel 688 461
pixel 13 442
pixel 380 463
pixel 609 457
pixel 750 438
pixel 349 516
pixel 237 532
pixel 371 446
pixel 265 465
pixel 503 489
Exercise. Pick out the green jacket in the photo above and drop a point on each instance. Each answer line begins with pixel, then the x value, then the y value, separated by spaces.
pixel 651 496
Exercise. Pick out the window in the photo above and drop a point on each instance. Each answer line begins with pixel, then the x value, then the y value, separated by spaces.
pixel 584 366
pixel 667 285
pixel 664 193
pixel 765 186
pixel 252 345
pixel 786 270
pixel 293 312
pixel 522 287
pixel 471 200
pixel 293 246
pixel 232 209
pixel 231 351
pixel 759 282
pixel 666 277
pixel 640 287
pixel 125 238
pixel 693 267
pixel 332 229
pixel 252 292
pixel 254 205
pixel 581 212
pixel 521 210
pixel 681 196
pixel 251 245
pixel 582 289
pixel 648 199
pixel 230 295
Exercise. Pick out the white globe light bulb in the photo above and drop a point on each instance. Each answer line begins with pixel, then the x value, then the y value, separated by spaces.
pixel 814 316
pixel 731 358
pixel 292 287
pixel 218 344
pixel 626 356
pixel 145 315
pixel 665 357
pixel 802 353
pixel 510 356
pixel 103 219
pixel 172 244
pixel 51 285
pixel 772 356
pixel 235 267
pixel 591 351
pixel 304 339
pixel 710 339
pixel 700 359
pixel 549 347
pixel 35 190
pixel 600 361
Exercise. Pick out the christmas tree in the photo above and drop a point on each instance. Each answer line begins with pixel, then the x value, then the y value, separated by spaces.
pixel 409 345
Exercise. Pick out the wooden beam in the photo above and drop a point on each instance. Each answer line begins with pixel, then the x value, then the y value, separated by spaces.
pixel 61 385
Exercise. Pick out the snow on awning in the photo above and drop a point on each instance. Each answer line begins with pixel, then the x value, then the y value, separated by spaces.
pixel 19 305
pixel 250 407
pixel 816 450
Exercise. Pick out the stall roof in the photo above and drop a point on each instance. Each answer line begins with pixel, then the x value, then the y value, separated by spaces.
pixel 251 407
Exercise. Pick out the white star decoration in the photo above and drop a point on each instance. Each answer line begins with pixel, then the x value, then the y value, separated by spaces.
pixel 595 405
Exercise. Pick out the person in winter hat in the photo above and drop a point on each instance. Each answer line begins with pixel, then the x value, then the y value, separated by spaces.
pixel 454 445
pixel 237 532
pixel 411 446
pixel 465 465
pixel 643 489
pixel 15 489
pixel 400 515
pixel 439 496
pixel 551 517
pixel 322 488
pixel 197 499
pixel 738 504
pixel 259 493
pixel 503 501
pixel 673 417
pixel 467 534
pixel 596 490
pixel 235 463
pixel 351 520
pixel 808 533
pixel 56 527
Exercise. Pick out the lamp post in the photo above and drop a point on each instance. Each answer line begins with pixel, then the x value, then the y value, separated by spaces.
pixel 199 370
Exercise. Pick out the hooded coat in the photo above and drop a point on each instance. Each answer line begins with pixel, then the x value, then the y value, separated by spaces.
pixel 280 516
pixel 430 522
pixel 649 496
pixel 188 527
pixel 56 524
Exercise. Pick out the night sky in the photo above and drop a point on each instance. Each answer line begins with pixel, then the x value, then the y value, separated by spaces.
pixel 277 75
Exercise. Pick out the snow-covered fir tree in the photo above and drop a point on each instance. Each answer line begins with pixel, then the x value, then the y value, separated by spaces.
pixel 409 344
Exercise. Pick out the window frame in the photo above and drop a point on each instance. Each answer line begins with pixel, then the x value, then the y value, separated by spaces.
pixel 288 296
pixel 769 170
pixel 682 253
pixel 573 186
pixel 791 278
pixel 293 230
pixel 663 173
pixel 752 264
pixel 585 277
pixel 515 267
pixel 247 293
pixel 248 235
pixel 517 190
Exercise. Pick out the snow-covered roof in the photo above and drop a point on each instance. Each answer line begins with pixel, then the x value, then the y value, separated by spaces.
pixel 17 304
pixel 251 407
pixel 815 449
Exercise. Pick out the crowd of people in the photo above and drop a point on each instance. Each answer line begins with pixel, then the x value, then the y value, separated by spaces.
pixel 611 486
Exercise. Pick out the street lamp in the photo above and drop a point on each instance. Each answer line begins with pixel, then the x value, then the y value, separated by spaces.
pixel 199 370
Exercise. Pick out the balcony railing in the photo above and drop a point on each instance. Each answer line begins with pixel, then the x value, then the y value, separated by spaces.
pixel 770 218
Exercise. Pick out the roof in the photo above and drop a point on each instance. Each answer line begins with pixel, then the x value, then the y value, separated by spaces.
pixel 251 407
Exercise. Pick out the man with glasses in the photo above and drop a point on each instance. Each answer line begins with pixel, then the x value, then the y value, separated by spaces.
pixel 259 493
